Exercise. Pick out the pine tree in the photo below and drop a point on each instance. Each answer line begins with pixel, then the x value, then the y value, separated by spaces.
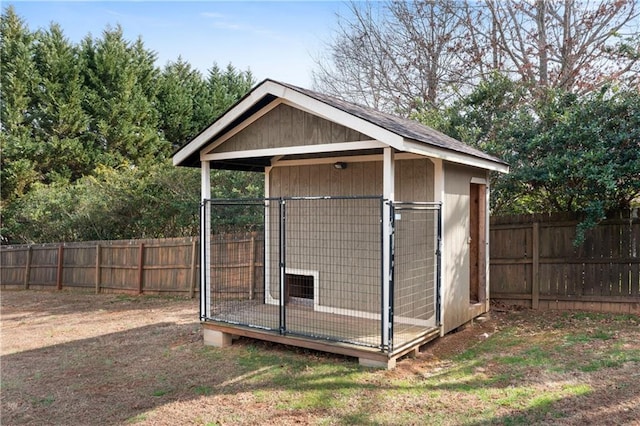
pixel 227 86
pixel 120 80
pixel 182 92
pixel 60 123
pixel 17 78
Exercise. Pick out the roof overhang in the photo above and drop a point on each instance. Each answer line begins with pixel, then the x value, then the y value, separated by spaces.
pixel 266 96
pixel 452 156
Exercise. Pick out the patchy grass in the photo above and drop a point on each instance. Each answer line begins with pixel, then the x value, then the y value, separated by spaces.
pixel 120 359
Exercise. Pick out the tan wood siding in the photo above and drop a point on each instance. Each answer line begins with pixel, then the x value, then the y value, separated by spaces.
pixel 325 224
pixel 331 234
pixel 456 307
pixel 286 126
pixel 414 180
pixel 415 244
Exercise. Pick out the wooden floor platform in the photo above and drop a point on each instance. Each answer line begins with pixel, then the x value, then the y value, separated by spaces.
pixel 341 334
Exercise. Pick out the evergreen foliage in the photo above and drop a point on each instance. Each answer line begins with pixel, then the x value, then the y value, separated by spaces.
pixel 566 152
pixel 87 131
pixel 87 134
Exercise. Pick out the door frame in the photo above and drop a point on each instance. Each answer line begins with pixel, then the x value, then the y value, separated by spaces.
pixel 477 243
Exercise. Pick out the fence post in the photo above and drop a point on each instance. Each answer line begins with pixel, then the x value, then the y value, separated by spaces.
pixel 27 269
pixel 98 271
pixel 140 268
pixel 535 270
pixel 194 256
pixel 252 265
pixel 60 266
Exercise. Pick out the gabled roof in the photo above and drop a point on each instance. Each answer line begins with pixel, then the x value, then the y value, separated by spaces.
pixel 399 133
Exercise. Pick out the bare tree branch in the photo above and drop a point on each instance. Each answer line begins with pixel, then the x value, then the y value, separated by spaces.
pixel 401 56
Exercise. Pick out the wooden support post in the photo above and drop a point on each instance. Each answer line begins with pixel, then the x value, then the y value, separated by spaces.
pixel 205 240
pixel 535 270
pixel 140 268
pixel 60 266
pixel 252 265
pixel 27 269
pixel 388 184
pixel 98 271
pixel 194 262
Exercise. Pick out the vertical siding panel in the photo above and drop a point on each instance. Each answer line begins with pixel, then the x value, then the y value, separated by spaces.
pixel 314 180
pixel 357 178
pixel 277 131
pixel 304 181
pixel 378 178
pixel 310 129
pixel 325 180
pixel 252 138
pixel 286 126
pixel 345 177
pixel 335 188
pixel 369 180
pixel 294 181
pixel 295 122
pixel 352 135
pixel 285 188
pixel 337 133
pixel 274 182
pixel 429 181
pixel 323 128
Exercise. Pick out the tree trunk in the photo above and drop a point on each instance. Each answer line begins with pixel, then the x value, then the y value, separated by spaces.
pixel 543 71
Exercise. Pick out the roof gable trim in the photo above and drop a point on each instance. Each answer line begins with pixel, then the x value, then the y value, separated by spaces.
pixel 279 93
pixel 294 150
pixel 227 118
pixel 289 97
pixel 452 156
pixel 255 117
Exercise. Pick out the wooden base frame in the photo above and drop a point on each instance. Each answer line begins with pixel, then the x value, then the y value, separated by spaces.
pixel 221 335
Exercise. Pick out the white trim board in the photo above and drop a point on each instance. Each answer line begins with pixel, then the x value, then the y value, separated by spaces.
pixel 226 119
pixel 479 181
pixel 346 159
pixel 304 102
pixel 270 300
pixel 317 307
pixel 452 156
pixel 255 117
pixel 293 150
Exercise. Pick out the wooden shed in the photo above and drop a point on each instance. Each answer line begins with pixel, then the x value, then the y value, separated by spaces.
pixel 372 232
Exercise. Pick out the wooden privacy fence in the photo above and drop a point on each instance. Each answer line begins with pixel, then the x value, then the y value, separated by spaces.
pixel 535 264
pixel 160 266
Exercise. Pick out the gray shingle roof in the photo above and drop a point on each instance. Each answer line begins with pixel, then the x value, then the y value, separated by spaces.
pixel 406 128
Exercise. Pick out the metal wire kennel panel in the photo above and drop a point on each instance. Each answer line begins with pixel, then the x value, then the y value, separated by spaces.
pixel 332 277
pixel 314 267
pixel 320 266
pixel 234 292
pixel 416 270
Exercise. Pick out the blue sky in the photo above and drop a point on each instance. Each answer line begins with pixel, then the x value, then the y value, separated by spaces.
pixel 276 40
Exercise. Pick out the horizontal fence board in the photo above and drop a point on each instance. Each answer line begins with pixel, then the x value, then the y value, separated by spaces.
pixel 169 266
pixel 607 299
pixel 601 272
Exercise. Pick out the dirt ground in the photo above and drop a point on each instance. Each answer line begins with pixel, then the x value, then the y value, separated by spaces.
pixel 84 359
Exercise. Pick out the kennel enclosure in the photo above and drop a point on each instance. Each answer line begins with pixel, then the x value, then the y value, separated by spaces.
pixel 374 228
